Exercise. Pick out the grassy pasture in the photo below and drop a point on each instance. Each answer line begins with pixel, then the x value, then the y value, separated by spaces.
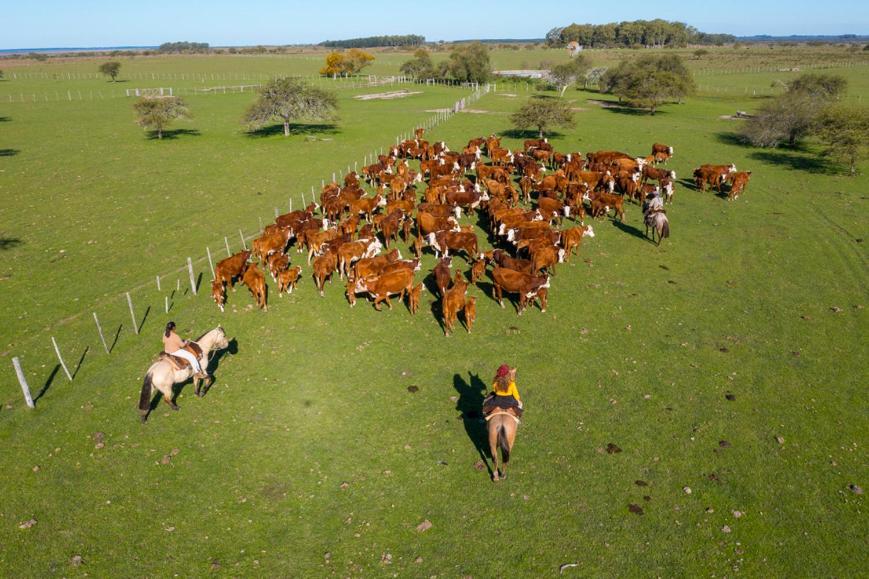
pixel 639 348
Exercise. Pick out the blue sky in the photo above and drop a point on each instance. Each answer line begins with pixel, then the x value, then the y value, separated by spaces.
pixel 49 23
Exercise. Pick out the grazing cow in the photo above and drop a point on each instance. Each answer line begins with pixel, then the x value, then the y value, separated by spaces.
pixel 277 262
pixel 489 172
pixel 546 257
pixel 324 266
pixel 367 205
pixel 355 250
pixel 738 183
pixel 272 242
pixel 390 225
pixel 287 280
pixel 414 296
pixel 713 175
pixel 233 267
pixel 469 200
pixel 294 218
pixel 531 144
pixel 601 203
pixel 369 266
pixel 255 281
pixel 396 282
pixel 453 302
pixel 444 241
pixel 218 293
pixel 661 153
pixel 668 189
pixel 655 174
pixel 426 224
pixel 524 284
pixel 470 312
pixel 442 274
pixel 572 238
pixel 552 209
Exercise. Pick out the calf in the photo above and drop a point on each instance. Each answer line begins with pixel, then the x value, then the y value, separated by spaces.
pixel 453 302
pixel 229 269
pixel 442 274
pixel 218 293
pixel 478 270
pixel 738 183
pixel 287 280
pixel 414 296
pixel 324 266
pixel 470 312
pixel 572 238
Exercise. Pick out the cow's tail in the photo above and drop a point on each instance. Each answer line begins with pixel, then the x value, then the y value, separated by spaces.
pixel 502 443
pixel 145 396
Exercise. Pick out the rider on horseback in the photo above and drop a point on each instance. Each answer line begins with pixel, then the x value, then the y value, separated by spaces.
pixel 504 393
pixel 174 346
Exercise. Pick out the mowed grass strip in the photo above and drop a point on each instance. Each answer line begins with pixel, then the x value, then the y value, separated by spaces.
pixel 311 456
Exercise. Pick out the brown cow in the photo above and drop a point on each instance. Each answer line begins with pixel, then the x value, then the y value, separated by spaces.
pixel 453 302
pixel 287 280
pixel 503 259
pixel 572 238
pixel 714 175
pixel 442 274
pixel 470 312
pixel 355 250
pixel 552 208
pixel 392 283
pixel 414 296
pixel 229 269
pixel 426 224
pixel 661 152
pixel 218 293
pixel 324 266
pixel 277 262
pixel 478 270
pixel 546 257
pixel 367 205
pixel 601 203
pixel 444 241
pixel 369 266
pixel 654 174
pixel 255 281
pixel 510 281
pixel 738 183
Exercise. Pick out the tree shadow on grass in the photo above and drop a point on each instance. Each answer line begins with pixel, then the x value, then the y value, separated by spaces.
pixel 9 152
pixel 528 134
pixel 296 129
pixel 7 243
pixel 173 134
pixel 730 138
pixel 795 161
pixel 470 404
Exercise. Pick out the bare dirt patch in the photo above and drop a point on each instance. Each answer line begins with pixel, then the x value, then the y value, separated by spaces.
pixel 396 94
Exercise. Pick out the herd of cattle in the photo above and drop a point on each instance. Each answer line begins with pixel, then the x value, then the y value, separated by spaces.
pixel 520 198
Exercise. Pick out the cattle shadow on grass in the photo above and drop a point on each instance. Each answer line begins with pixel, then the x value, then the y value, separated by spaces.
pixel 7 243
pixel 295 129
pixel 470 405
pixel 9 152
pixel 629 229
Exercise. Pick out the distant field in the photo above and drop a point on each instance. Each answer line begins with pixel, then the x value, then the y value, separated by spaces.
pixel 763 299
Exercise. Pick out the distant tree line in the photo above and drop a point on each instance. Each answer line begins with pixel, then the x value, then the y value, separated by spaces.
pixel 650 33
pixel 466 63
pixel 190 47
pixel 372 41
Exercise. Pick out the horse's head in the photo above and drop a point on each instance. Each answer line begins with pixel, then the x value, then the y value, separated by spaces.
pixel 218 339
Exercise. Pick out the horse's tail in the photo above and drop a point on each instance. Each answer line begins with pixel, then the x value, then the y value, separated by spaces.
pixel 665 228
pixel 502 443
pixel 145 397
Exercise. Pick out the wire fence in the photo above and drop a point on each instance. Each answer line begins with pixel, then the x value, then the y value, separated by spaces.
pixel 188 278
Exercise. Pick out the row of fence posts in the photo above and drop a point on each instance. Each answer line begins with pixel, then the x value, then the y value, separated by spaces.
pixel 428 124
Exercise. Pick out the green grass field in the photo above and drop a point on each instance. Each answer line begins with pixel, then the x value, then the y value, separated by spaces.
pixel 310 456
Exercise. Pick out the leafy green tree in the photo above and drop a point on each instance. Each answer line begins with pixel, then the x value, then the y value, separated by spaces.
pixel 543 113
pixel 156 113
pixel 287 99
pixel 843 129
pixel 111 69
pixel 470 63
pixel 565 75
pixel 649 81
pixel 823 86
pixel 420 66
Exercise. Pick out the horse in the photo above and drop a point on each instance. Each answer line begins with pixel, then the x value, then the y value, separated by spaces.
pixel 162 374
pixel 502 426
pixel 659 223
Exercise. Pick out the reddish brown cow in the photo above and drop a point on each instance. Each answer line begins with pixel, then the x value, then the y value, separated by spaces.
pixel 661 152
pixel 369 266
pixel 367 205
pixel 446 241
pixel 426 224
pixel 414 296
pixel 738 183
pixel 255 281
pixel 552 208
pixel 503 259
pixel 470 312
pixel 218 293
pixel 654 174
pixel 602 202
pixel 453 302
pixel 546 257
pixel 510 281
pixel 572 238
pixel 324 266
pixel 229 269
pixel 478 270
pixel 392 283
pixel 287 280
pixel 442 274
pixel 714 175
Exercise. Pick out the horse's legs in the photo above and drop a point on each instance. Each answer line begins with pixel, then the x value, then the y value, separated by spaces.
pixel 493 446
pixel 197 383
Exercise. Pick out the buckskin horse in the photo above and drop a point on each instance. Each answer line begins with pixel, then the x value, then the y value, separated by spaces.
pixel 164 374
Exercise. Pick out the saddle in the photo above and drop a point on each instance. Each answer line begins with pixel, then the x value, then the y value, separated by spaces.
pixel 181 363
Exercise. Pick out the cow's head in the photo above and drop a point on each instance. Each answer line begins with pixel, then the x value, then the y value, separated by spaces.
pixel 635 176
pixel 501 229
pixel 458 212
pixel 561 255
pixel 732 168
pixel 484 196
pixel 537 215
pixel 474 165
pixel 326 224
pixel 670 150
pixel 567 210
pixel 477 188
pixel 588 231
pixel 418 178
pixel 432 241
pixel 511 236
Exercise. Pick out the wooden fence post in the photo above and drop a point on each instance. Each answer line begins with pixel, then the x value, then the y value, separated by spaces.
pixel 243 244
pixel 158 283
pixel 210 262
pixel 226 242
pixel 190 272
pixel 100 330
pixel 166 303
pixel 60 359
pixel 23 381
pixel 132 314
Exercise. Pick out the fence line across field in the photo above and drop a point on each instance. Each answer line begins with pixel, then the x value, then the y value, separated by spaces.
pixel 428 123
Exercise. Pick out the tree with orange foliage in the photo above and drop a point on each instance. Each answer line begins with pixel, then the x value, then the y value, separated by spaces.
pixel 346 63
